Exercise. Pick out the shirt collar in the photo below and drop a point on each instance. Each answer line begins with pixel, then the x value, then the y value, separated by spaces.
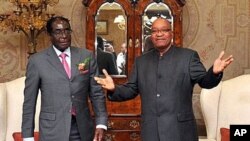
pixel 66 51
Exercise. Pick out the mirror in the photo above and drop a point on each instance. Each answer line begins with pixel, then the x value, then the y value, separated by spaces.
pixel 110 45
pixel 151 13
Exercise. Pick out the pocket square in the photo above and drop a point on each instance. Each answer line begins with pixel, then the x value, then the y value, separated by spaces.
pixel 83 71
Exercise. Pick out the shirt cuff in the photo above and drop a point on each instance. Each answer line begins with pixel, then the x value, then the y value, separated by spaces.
pixel 29 139
pixel 102 126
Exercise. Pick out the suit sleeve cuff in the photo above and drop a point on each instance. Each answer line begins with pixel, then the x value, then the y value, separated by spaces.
pixel 217 76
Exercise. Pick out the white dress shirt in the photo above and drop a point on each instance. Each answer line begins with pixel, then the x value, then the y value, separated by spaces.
pixel 120 62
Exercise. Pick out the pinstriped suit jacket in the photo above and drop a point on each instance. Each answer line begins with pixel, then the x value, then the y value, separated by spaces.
pixel 45 72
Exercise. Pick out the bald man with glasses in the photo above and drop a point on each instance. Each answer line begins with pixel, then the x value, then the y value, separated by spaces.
pixel 164 77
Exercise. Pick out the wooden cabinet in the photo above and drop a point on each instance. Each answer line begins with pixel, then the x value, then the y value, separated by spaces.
pixel 124 117
pixel 126 127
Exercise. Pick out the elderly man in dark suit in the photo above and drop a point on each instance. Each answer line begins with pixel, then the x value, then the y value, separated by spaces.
pixel 164 77
pixel 65 77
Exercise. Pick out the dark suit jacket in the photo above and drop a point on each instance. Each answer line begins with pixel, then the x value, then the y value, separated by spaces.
pixel 106 61
pixel 45 72
pixel 166 87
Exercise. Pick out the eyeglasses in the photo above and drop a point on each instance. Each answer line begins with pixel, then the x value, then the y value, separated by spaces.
pixel 162 31
pixel 60 33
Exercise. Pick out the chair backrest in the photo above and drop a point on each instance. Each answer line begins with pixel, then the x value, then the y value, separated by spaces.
pixel 226 104
pixel 209 100
pixel 15 99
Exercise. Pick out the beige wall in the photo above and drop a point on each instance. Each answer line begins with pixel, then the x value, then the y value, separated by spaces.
pixel 208 27
pixel 215 25
pixel 13 45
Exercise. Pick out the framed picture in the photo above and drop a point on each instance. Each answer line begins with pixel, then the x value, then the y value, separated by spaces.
pixel 102 27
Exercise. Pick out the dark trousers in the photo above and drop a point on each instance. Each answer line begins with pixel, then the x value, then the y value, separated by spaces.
pixel 74 132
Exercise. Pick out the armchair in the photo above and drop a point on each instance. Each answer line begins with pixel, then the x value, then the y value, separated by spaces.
pixel 11 101
pixel 226 104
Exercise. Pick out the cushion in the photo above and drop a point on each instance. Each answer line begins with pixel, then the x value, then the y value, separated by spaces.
pixel 225 134
pixel 18 136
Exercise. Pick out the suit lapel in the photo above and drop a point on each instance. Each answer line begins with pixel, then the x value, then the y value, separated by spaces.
pixel 75 59
pixel 55 61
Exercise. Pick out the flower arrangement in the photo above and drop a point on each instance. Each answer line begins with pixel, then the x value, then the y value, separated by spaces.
pixel 83 65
